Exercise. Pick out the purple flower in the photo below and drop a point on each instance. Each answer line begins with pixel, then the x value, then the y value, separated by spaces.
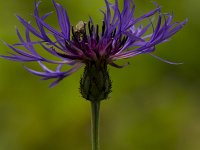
pixel 120 36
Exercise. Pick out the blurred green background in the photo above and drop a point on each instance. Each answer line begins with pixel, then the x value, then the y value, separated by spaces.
pixel 153 106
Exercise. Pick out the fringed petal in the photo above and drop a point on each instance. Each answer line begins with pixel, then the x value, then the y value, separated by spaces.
pixel 50 74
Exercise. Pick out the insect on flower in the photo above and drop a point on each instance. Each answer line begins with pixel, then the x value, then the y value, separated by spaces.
pixel 120 36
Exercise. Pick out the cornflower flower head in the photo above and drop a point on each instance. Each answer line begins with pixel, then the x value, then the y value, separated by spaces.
pixel 120 36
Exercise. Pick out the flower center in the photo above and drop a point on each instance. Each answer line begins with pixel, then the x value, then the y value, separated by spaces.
pixel 87 43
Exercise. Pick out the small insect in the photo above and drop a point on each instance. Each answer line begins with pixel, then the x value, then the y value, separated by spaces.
pixel 80 26
pixel 79 30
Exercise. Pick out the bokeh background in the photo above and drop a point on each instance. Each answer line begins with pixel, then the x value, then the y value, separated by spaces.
pixel 153 106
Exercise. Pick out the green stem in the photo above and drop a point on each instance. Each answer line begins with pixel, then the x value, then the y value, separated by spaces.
pixel 95 107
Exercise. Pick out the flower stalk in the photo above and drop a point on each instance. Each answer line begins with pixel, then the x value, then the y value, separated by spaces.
pixel 95 108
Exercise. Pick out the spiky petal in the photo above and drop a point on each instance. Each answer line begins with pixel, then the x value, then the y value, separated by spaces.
pixel 120 36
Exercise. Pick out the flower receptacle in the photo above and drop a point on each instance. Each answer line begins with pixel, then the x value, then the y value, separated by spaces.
pixel 95 83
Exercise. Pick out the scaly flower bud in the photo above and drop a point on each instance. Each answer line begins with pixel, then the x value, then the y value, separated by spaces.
pixel 95 84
